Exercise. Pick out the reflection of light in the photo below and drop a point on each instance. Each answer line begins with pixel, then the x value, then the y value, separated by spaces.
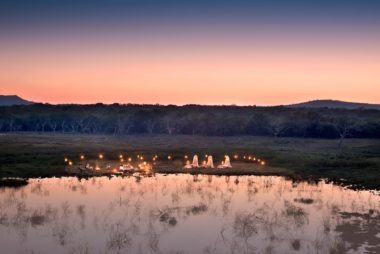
pixel 101 156
pixel 82 157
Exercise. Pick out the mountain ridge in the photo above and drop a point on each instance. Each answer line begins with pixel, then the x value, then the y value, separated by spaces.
pixel 11 100
pixel 328 103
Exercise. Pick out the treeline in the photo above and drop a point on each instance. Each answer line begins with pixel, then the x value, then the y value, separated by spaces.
pixel 128 119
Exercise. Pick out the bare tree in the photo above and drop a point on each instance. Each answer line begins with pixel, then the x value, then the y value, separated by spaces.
pixel 43 121
pixel 170 125
pixel 73 126
pixel 343 126
pixel 150 124
pixel 10 124
pixel 53 125
pixel 122 125
pixel 63 124
pixel 276 126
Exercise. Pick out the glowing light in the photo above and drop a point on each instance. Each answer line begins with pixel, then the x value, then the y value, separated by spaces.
pixel 138 156
pixel 144 163
pixel 121 156
pixel 129 159
pixel 169 157
pixel 250 158
pixel 97 168
pixel 236 156
pixel 244 157
pixel 70 163
pixel 206 155
pixel 141 158
pixel 262 163
pixel 82 157
pixel 186 157
pixel 254 158
pixel 258 160
pixel 66 160
pixel 121 160
pixel 101 156
pixel 154 158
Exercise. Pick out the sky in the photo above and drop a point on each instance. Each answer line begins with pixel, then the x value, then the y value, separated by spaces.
pixel 258 52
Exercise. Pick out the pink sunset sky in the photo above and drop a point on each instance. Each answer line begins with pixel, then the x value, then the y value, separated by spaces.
pixel 197 63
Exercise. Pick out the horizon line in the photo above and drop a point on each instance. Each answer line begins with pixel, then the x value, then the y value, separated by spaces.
pixel 190 104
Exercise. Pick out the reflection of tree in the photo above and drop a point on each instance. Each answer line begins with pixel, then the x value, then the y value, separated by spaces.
pixel 245 225
pixel 196 209
pixel 66 211
pixel 226 203
pixel 37 189
pixel 297 214
pixel 118 237
pixel 80 249
pixel 81 211
pixel 153 238
pixel 61 233
pixel 135 217
pixel 175 197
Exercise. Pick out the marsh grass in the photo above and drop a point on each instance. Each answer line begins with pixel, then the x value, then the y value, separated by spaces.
pixel 357 164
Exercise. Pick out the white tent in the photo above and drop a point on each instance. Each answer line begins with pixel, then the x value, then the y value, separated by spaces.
pixel 210 162
pixel 226 163
pixel 195 162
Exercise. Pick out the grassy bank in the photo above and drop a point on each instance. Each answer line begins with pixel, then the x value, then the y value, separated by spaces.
pixel 357 163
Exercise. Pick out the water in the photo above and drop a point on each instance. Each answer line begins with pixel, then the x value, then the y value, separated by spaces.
pixel 187 214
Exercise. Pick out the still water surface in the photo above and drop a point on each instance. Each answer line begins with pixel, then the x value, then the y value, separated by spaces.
pixel 187 214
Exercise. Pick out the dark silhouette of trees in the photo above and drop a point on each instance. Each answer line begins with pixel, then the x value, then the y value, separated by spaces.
pixel 128 119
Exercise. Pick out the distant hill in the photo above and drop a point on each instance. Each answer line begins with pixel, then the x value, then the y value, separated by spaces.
pixel 10 100
pixel 334 104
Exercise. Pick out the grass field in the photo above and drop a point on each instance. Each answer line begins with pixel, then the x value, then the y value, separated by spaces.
pixel 41 155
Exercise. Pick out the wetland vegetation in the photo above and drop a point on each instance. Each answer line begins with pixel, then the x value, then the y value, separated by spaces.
pixel 356 164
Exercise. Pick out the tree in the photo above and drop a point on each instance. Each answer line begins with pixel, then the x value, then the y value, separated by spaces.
pixel 343 126
pixel 276 125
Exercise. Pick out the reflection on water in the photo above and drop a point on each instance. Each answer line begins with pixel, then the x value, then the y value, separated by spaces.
pixel 187 214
